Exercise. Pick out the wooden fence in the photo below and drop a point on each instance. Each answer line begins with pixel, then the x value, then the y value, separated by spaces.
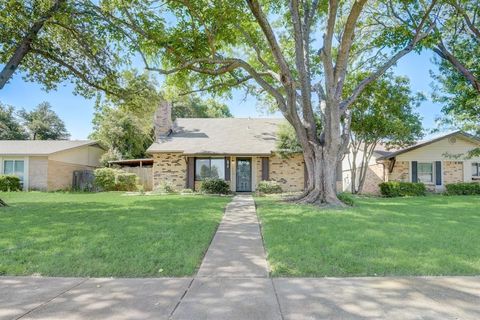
pixel 145 176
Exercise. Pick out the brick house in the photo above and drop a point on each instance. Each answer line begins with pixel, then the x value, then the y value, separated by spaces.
pixel 48 165
pixel 240 151
pixel 243 152
pixel 435 162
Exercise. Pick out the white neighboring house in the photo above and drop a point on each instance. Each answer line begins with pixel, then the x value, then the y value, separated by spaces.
pixel 48 165
pixel 435 162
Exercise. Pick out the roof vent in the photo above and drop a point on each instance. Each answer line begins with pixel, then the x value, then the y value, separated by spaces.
pixel 452 140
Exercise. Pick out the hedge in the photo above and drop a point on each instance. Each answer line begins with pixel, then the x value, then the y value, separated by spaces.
pixel 9 183
pixel 463 188
pixel 402 189
pixel 268 187
pixel 215 186
pixel 109 179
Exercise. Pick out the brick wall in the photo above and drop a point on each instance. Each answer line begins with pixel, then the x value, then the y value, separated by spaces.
pixel 60 174
pixel 288 172
pixel 38 173
pixel 375 176
pixel 170 167
pixel 400 172
pixel 452 171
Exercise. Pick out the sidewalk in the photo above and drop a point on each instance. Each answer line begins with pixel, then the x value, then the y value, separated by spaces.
pixel 233 283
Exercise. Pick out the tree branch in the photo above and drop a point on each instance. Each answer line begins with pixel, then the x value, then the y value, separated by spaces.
pixel 24 47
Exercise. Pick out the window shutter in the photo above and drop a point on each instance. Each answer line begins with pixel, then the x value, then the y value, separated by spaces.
pixel 414 171
pixel 227 168
pixel 265 169
pixel 190 173
pixel 438 173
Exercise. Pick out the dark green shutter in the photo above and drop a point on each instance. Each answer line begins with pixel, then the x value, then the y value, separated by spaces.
pixel 227 168
pixel 190 173
pixel 265 169
pixel 414 171
pixel 438 173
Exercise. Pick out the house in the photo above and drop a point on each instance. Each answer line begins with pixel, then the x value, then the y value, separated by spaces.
pixel 242 151
pixel 435 162
pixel 238 150
pixel 48 164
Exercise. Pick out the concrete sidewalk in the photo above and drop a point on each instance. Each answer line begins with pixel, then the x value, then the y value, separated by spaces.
pixel 233 283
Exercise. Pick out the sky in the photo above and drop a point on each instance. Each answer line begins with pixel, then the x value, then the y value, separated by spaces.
pixel 77 112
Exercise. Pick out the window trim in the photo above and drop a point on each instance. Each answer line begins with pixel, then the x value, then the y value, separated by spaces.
pixel 433 172
pixel 225 166
pixel 24 176
pixel 477 176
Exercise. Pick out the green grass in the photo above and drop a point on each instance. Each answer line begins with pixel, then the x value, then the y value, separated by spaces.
pixel 434 235
pixel 106 234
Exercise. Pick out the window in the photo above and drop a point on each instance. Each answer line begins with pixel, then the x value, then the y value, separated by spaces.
pixel 476 169
pixel 209 168
pixel 425 172
pixel 14 167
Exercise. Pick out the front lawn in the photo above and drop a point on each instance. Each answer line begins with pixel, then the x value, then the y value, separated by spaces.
pixel 434 235
pixel 106 234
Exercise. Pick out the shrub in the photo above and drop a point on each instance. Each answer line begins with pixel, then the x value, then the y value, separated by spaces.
pixel 215 186
pixel 185 191
pixel 463 188
pixel 9 183
pixel 269 187
pixel 402 189
pixel 126 181
pixel 346 198
pixel 164 187
pixel 105 178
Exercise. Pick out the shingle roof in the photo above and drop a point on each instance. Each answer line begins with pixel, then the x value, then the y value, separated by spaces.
pixel 223 136
pixel 40 147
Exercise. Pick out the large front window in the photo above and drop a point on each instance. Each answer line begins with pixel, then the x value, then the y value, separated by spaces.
pixel 425 172
pixel 476 170
pixel 209 168
pixel 14 167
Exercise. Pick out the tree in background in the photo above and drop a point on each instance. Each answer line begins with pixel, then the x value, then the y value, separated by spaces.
pixel 124 124
pixel 383 113
pixel 10 127
pixel 42 123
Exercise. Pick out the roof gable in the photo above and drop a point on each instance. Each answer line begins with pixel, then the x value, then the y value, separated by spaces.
pixel 475 142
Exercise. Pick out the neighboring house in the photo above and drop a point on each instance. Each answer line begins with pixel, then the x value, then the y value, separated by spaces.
pixel 435 162
pixel 240 151
pixel 48 164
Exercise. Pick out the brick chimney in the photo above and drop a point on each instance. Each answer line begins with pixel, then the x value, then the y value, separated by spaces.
pixel 162 120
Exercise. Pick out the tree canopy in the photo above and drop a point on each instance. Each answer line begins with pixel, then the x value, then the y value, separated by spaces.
pixel 124 124
pixel 42 123
pixel 10 126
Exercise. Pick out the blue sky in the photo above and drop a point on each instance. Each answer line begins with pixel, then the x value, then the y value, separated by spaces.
pixel 77 112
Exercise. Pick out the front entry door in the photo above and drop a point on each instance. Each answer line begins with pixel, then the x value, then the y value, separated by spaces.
pixel 244 174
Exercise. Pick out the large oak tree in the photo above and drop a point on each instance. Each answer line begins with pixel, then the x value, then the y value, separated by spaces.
pixel 294 54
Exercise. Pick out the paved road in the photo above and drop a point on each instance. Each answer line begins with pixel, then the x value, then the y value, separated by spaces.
pixel 233 283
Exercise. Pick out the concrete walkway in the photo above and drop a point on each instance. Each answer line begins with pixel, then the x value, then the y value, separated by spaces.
pixel 233 283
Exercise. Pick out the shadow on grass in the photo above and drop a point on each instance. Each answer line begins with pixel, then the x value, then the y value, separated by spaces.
pixel 113 235
pixel 414 236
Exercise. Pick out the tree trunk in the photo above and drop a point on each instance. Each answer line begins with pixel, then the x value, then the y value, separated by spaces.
pixel 321 187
